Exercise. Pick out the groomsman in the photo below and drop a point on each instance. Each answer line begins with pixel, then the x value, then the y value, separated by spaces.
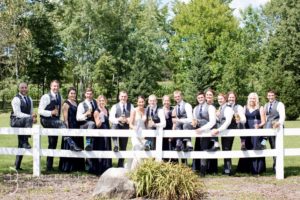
pixel 183 118
pixel 22 116
pixel 224 118
pixel 155 118
pixel 50 111
pixel 204 118
pixel 119 117
pixel 275 114
pixel 85 115
pixel 239 118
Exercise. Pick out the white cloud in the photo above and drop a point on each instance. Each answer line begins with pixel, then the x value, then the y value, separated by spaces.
pixel 242 4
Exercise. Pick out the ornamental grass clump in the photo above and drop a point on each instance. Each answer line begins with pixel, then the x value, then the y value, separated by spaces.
pixel 161 180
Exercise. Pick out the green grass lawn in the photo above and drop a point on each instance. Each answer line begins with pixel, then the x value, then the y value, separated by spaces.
pixel 292 164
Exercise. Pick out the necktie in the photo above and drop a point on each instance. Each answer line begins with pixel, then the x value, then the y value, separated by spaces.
pixel 93 108
pixel 178 110
pixel 26 100
pixel 200 111
pixel 152 113
pixel 56 97
pixel 124 110
pixel 270 108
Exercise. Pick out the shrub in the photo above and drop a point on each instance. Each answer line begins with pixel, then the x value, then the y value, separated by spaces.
pixel 166 181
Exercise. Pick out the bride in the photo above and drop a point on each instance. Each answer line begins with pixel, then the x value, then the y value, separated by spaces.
pixel 137 123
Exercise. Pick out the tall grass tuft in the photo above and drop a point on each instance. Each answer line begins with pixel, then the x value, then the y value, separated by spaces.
pixel 160 180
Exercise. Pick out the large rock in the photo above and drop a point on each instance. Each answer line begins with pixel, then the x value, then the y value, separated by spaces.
pixel 114 184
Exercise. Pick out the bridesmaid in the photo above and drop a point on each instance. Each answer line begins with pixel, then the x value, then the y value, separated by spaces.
pixel 101 116
pixel 255 119
pixel 69 109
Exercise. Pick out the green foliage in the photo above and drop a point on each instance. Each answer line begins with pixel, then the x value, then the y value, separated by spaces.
pixel 167 181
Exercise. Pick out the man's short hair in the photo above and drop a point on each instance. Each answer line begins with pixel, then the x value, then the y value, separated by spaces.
pixel 88 89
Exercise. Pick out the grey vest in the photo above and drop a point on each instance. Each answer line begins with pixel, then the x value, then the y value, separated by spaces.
pixel 119 110
pixel 182 113
pixel 86 108
pixel 204 118
pixel 233 124
pixel 222 118
pixel 273 115
pixel 155 117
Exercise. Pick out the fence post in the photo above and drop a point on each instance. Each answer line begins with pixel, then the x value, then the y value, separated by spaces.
pixel 36 150
pixel 280 154
pixel 159 143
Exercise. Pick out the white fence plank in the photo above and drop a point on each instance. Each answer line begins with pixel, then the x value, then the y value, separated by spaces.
pixel 292 152
pixel 37 152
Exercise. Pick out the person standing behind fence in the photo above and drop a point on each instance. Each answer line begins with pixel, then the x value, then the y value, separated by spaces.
pixel 204 118
pixel 69 110
pixel 275 115
pixel 22 116
pixel 50 110
pixel 255 119
pixel 155 118
pixel 169 144
pixel 119 118
pixel 224 120
pixel 101 116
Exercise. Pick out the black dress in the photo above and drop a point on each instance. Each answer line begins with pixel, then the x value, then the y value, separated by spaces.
pixel 71 164
pixel 253 165
pixel 99 165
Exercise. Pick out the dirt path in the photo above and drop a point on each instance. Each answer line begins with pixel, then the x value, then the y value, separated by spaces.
pixel 74 186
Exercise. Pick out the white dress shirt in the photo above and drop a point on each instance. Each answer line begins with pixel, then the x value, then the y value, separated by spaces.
pixel 80 116
pixel 112 115
pixel 16 106
pixel 189 113
pixel 228 114
pixel 212 118
pixel 44 102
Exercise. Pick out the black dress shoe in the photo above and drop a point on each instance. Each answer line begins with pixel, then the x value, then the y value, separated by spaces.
pixel 213 149
pixel 26 146
pixel 116 149
pixel 75 148
pixel 19 169
pixel 179 145
pixel 243 147
pixel 88 147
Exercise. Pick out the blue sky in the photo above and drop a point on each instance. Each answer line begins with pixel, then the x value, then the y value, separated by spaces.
pixel 237 4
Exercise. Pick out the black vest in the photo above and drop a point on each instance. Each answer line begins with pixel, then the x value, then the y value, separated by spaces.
pixel 169 122
pixel 25 108
pixel 155 116
pixel 51 106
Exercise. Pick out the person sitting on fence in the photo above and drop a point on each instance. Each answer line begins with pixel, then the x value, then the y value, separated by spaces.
pixel 239 117
pixel 119 118
pixel 204 118
pixel 275 117
pixel 224 120
pixel 155 118
pixel 50 111
pixel 22 116
pixel 183 113
pixel 69 110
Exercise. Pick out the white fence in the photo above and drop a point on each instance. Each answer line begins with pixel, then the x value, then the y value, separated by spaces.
pixel 159 154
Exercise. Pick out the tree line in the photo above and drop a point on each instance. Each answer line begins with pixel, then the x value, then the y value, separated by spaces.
pixel 139 46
